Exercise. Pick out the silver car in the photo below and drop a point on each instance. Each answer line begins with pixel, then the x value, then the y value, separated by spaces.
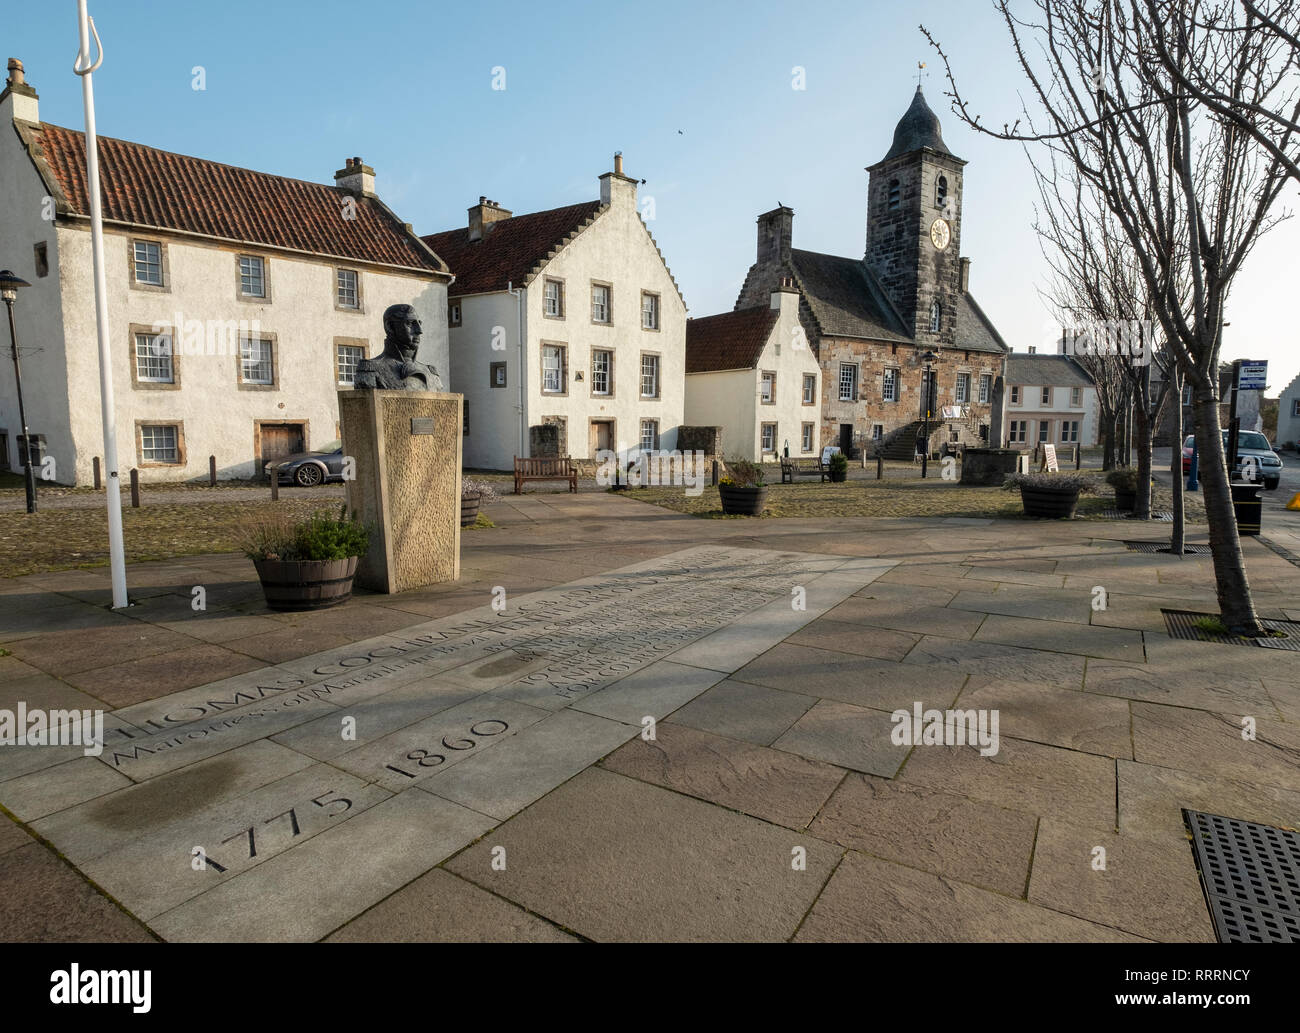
pixel 1253 450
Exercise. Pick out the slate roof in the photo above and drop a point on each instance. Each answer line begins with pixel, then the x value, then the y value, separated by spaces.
pixel 731 340
pixel 919 127
pixel 512 250
pixel 1046 371
pixel 145 187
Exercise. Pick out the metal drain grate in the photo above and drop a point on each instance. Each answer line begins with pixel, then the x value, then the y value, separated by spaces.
pixel 1182 624
pixel 1188 550
pixel 1127 514
pixel 1251 877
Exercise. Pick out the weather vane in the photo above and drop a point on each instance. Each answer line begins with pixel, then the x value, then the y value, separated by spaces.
pixel 920 72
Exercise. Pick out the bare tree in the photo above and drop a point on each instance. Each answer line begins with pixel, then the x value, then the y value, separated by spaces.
pixel 1190 189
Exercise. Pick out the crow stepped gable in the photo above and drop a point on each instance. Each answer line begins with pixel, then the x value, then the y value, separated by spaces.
pixel 870 320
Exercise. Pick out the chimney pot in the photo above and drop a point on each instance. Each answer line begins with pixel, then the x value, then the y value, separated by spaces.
pixel 618 163
pixel 15 72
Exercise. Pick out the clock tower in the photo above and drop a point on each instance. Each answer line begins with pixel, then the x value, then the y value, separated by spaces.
pixel 914 199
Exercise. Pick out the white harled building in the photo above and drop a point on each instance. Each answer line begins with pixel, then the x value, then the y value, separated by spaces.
pixel 239 302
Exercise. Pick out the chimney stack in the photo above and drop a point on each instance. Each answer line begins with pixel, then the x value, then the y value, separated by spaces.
pixel 775 232
pixel 483 215
pixel 18 101
pixel 356 177
pixel 965 275
pixel 617 188
pixel 784 293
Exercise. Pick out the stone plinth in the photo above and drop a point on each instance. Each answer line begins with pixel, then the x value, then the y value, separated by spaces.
pixel 407 450
pixel 988 465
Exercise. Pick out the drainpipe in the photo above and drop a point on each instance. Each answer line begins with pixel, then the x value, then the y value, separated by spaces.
pixel 522 375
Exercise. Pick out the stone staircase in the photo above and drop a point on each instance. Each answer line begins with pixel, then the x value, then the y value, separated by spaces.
pixel 900 445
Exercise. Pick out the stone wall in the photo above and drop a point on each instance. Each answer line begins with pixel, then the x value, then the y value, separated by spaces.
pixel 549 438
pixel 700 439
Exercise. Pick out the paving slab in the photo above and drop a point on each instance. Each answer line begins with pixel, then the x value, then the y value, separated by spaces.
pixel 43 900
pixel 872 900
pixel 966 839
pixel 770 784
pixel 1027 601
pixel 861 681
pixel 122 684
pixel 12 835
pixel 1148 886
pixel 439 907
pixel 997 660
pixel 847 736
pixel 1213 744
pixel 1058 717
pixel 59 787
pixel 1151 800
pixel 1038 779
pixel 1062 637
pixel 116 820
pixel 909 617
pixel 739 710
pixel 311 890
pixel 527 766
pixel 861 639
pixel 679 869
pixel 1181 687
pixel 654 691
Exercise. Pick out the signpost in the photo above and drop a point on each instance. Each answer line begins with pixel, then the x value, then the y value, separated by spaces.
pixel 1247 375
pixel 1251 376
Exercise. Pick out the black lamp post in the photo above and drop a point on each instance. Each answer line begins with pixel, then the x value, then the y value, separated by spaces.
pixel 927 400
pixel 9 284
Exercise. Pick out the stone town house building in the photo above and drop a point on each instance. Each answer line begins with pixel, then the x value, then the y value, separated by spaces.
pixel 871 321
pixel 238 302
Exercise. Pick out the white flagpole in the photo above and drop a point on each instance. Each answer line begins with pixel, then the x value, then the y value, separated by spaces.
pixel 83 67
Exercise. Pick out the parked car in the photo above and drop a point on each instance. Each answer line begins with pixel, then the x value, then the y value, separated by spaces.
pixel 1249 444
pixel 309 469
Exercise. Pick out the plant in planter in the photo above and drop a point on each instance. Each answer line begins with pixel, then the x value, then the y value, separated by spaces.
pixel 838 467
pixel 1125 482
pixel 1049 495
pixel 743 490
pixel 473 494
pixel 307 565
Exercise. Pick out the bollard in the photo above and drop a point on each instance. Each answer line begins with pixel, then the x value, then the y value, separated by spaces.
pixel 95 466
pixel 715 473
pixel 135 488
pixel 880 465
pixel 275 485
pixel 1078 456
pixel 212 471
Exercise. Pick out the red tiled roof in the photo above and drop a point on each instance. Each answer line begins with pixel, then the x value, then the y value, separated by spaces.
pixel 511 249
pixel 144 186
pixel 732 340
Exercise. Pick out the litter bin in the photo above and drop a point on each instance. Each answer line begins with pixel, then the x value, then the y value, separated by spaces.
pixel 1248 505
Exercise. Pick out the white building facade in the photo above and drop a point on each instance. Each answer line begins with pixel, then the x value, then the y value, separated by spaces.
pixel 753 374
pixel 567 330
pixel 1288 414
pixel 238 302
pixel 1048 400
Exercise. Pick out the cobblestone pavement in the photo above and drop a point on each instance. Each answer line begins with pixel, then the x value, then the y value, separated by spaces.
pixel 675 729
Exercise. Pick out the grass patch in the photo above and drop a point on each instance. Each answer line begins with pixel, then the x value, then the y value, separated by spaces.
pixel 482 521
pixel 1212 625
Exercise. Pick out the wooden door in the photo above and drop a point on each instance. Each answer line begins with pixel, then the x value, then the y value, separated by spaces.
pixel 280 440
pixel 602 437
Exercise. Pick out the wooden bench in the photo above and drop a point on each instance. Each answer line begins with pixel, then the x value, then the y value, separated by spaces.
pixel 559 468
pixel 792 468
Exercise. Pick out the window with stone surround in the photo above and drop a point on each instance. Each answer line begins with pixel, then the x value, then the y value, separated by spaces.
pixel 649 311
pixel 768 392
pixel 1047 396
pixel 347 288
pixel 649 435
pixel 806 438
pixel 600 303
pixel 962 396
pixel 256 362
pixel 602 372
pixel 1069 431
pixel 889 385
pixel 848 381
pixel 809 389
pixel 552 369
pixel 894 194
pixel 252 277
pixel 159 444
pixel 877 433
pixel 986 387
pixel 769 437
pixel 148 264
pixel 453 313
pixel 1076 397
pixel 1044 431
pixel 936 317
pixel 347 357
pixel 1017 431
pixel 153 359
pixel 941 192
pixel 553 299
pixel 1015 394
pixel 649 375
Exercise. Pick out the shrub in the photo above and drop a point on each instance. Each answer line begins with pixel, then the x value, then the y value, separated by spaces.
pixel 1124 478
pixel 486 491
pixel 838 463
pixel 322 536
pixel 741 473
pixel 1070 481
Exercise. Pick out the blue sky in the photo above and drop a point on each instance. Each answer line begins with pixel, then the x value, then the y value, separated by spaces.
pixel 697 96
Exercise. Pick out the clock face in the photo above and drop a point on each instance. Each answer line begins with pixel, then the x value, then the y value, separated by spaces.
pixel 940 233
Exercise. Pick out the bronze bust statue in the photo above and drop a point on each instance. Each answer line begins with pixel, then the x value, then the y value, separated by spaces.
pixel 396 368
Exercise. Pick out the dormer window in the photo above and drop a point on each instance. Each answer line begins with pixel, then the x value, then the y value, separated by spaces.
pixel 941 192
pixel 893 194
pixel 936 317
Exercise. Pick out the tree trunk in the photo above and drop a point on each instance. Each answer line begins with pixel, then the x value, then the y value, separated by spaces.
pixel 1176 539
pixel 1142 444
pixel 1236 607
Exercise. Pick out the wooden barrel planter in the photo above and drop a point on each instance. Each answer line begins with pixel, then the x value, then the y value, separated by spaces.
pixel 294 585
pixel 747 501
pixel 1049 503
pixel 469 508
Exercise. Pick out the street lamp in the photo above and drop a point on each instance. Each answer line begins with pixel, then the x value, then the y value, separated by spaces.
pixel 927 401
pixel 9 285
